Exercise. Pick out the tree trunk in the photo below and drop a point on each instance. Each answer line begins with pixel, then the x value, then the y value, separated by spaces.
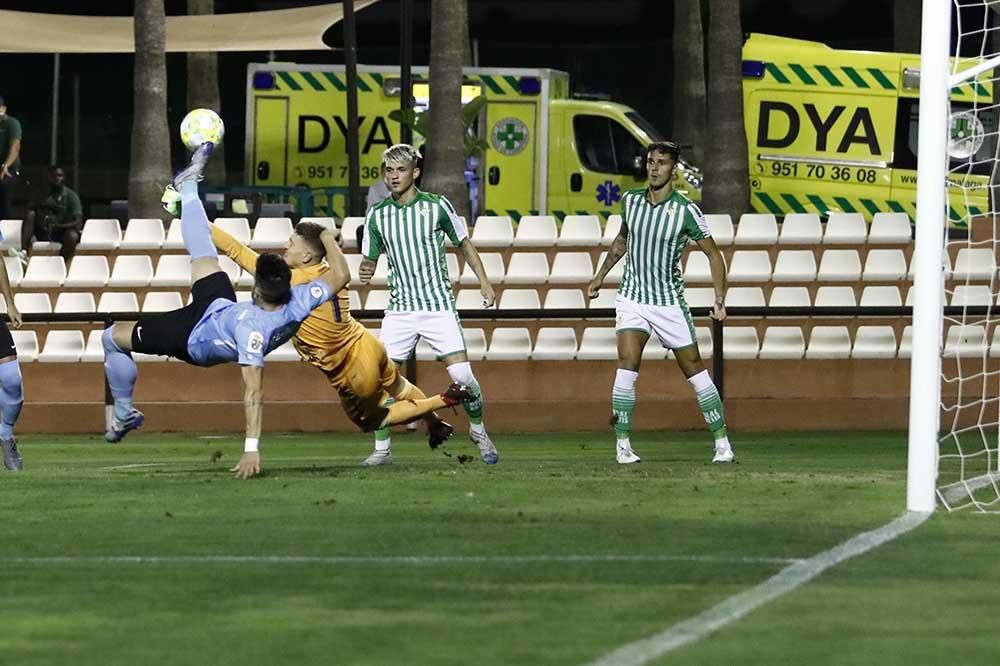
pixel 445 161
pixel 149 170
pixel 689 80
pixel 203 92
pixel 726 188
pixel 906 26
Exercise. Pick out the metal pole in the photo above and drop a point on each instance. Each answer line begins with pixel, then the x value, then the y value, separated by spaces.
pixel 355 204
pixel 932 157
pixel 405 65
pixel 718 367
pixel 55 108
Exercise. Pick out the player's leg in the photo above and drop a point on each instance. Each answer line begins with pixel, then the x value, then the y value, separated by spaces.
pixel 438 430
pixel 631 333
pixel 398 338
pixel 121 371
pixel 11 399
pixel 194 222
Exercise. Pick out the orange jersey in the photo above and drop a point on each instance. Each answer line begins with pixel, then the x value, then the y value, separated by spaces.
pixel 327 335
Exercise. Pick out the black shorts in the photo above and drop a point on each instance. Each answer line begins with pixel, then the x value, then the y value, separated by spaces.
pixel 167 333
pixel 52 234
pixel 7 347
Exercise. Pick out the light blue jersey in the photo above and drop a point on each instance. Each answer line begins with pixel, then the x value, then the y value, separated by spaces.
pixel 245 333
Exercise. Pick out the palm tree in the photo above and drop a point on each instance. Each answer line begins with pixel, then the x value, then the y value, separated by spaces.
pixel 727 189
pixel 906 16
pixel 689 79
pixel 445 162
pixel 203 91
pixel 149 170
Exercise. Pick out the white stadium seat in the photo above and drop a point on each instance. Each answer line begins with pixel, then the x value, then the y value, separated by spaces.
pixel 971 295
pixel 699 297
pixel 750 266
pixel 884 266
pixel 653 350
pixel 598 343
pixel 520 299
pixel 172 270
pixel 469 299
pixel 568 299
pixel 88 271
pixel 492 262
pixel 118 301
pixel 555 344
pixel 143 234
pixel 44 271
pixel 845 229
pixel 756 229
pixel 327 222
pixel 881 296
pixel 611 229
pixel 580 231
pixel 100 235
pixel 890 228
pixel 697 268
pixel 906 342
pixel 829 342
pixel 354 266
pixel 721 228
pixel 536 231
pixel 605 299
pixel 162 301
pixel 571 267
pixel 475 343
pixel 973 264
pixel 994 345
pixel 965 341
pixel 15 272
pixel 801 229
pixel 747 297
pixel 286 352
pixel 378 299
pixel 353 300
pixel 75 301
pixel 237 227
pixel 33 303
pixel 527 268
pixel 381 276
pixel 839 266
pixel 235 273
pixel 874 342
pixel 617 271
pixel 783 342
pixel 454 273
pixel 945 267
pixel 131 271
pixel 10 233
pixel 26 343
pixel 835 297
pixel 509 344
pixel 794 266
pixel 244 296
pixel 271 233
pixel 703 334
pixel 493 231
pixel 740 342
pixel 173 240
pixel 62 347
pixel 790 297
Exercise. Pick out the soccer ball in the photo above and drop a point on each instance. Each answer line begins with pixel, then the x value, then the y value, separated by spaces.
pixel 201 126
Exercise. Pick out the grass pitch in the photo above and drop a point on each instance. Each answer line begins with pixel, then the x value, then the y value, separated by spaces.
pixel 148 552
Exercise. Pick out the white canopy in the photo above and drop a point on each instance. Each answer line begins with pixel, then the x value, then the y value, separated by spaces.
pixel 278 30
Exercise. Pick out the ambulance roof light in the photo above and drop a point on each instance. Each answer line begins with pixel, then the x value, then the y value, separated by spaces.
pixel 263 80
pixel 753 69
pixel 529 85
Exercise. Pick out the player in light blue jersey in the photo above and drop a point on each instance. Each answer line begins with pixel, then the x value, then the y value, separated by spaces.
pixel 214 328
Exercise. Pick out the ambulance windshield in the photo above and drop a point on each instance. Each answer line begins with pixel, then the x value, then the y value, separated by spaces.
pixel 645 126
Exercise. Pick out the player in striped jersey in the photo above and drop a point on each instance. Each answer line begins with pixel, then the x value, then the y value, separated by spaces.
pixel 409 228
pixel 657 223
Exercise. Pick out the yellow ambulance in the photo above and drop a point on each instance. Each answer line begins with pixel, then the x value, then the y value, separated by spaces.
pixel 832 130
pixel 548 153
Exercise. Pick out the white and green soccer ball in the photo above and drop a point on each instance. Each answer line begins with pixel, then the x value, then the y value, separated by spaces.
pixel 202 126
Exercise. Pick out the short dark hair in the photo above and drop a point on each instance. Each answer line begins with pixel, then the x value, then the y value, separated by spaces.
pixel 666 147
pixel 273 279
pixel 310 232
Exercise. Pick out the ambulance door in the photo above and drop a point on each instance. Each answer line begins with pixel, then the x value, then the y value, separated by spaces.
pixel 510 173
pixel 604 164
pixel 270 141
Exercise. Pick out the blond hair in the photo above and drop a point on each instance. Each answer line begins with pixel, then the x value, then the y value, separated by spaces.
pixel 401 153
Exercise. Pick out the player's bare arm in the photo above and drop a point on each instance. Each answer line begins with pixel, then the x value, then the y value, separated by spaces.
pixel 615 253
pixel 253 395
pixel 473 259
pixel 339 275
pixel 717 264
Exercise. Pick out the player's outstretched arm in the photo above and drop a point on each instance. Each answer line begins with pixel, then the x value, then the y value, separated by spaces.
pixel 473 259
pixel 615 252
pixel 339 275
pixel 253 395
pixel 717 264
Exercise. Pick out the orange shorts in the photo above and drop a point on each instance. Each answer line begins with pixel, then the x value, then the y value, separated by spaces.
pixel 363 382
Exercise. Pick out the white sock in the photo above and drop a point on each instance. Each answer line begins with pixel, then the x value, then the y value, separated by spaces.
pixel 383 445
pixel 722 443
pixel 478 428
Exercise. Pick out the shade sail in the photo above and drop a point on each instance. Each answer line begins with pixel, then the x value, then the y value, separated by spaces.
pixel 298 29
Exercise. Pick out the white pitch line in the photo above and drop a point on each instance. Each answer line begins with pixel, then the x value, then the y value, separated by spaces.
pixel 382 560
pixel 133 466
pixel 739 605
pixel 952 493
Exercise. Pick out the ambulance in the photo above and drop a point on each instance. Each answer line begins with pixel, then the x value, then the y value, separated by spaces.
pixel 548 153
pixel 831 130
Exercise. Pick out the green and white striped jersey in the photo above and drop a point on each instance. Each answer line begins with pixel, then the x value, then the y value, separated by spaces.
pixel 657 234
pixel 412 237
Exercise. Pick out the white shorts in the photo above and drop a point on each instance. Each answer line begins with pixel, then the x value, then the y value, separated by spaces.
pixel 401 331
pixel 672 324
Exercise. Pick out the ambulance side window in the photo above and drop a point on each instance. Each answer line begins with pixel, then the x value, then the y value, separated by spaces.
pixel 604 145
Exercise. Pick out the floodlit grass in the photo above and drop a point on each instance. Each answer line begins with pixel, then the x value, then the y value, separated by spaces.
pixel 555 556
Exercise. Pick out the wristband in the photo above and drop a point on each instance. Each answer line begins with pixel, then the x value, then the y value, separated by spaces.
pixel 250 445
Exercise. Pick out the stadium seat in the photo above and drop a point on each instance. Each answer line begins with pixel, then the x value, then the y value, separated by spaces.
pixel 874 342
pixel 493 231
pixel 756 229
pixel 611 229
pixel 509 344
pixel 783 342
pixel 744 297
pixel 75 301
pixel 44 271
pixel 143 234
pixel 653 350
pixel 994 344
pixel 118 301
pixel 750 266
pixel 790 297
pixel 536 231
pixel 62 347
pixel 354 266
pixel 558 299
pixel 906 342
pixel 571 267
pixel 699 297
pixel 839 266
pixel 973 264
pixel 836 297
pixel 908 301
pixel 244 296
pixel 696 268
pixel 890 228
pixel 100 235
pixel 378 299
pixel 162 301
pixel 971 295
pixel 617 271
pixel 579 231
pixel 327 222
pixel 469 299
pixel 965 341
pixel 237 275
pixel 801 229
pixel 598 343
pixel 286 352
pixel 703 334
pixel 32 303
pixel 492 262
pixel 520 299
pixel 10 233
pixel 172 270
pixel 527 268
pixel 794 266
pixel 173 240
pixel 554 344
pixel 884 266
pixel 237 227
pixel 26 343
pixel 845 229
pixel 454 273
pixel 721 228
pixel 131 271
pixel 605 299
pixel 881 296
pixel 381 276
pixel 740 342
pixel 829 342
pixel 475 343
pixel 945 266
pixel 423 351
pixel 271 233
pixel 15 272
pixel 353 300
pixel 88 271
